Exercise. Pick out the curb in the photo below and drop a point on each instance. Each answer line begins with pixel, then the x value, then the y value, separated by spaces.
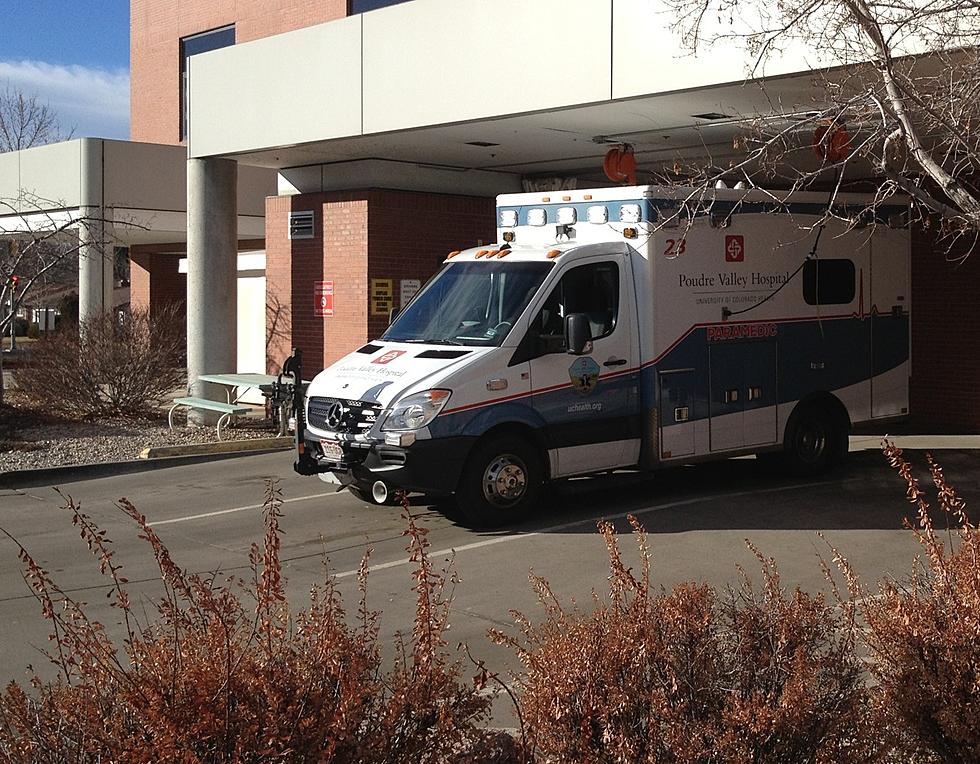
pixel 222 447
pixel 46 476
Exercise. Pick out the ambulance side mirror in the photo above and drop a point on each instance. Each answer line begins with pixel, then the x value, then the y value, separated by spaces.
pixel 392 315
pixel 578 334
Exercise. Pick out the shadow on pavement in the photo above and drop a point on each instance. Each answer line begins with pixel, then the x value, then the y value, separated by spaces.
pixel 746 494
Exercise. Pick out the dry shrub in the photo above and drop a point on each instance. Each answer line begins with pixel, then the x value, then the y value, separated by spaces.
pixel 112 365
pixel 218 678
pixel 691 675
pixel 923 635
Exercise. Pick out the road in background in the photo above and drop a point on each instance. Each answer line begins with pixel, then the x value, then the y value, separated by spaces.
pixel 698 517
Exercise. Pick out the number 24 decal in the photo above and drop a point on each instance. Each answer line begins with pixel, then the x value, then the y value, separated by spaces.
pixel 675 247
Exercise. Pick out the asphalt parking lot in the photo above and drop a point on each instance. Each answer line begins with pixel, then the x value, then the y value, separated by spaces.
pixel 698 517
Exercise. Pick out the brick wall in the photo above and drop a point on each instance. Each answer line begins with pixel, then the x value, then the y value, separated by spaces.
pixel 410 234
pixel 360 235
pixel 156 28
pixel 944 395
pixel 155 282
pixel 338 253
pixel 154 279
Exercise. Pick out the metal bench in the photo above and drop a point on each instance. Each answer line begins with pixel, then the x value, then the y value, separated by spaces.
pixel 228 410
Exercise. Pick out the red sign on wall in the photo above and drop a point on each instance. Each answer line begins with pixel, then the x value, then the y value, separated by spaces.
pixel 322 298
pixel 734 249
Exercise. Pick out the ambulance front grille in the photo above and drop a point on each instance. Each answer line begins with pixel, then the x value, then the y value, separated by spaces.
pixel 342 415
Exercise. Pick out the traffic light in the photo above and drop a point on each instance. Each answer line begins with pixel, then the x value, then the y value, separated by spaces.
pixel 13 281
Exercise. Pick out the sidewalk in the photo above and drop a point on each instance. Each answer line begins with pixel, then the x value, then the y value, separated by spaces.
pixel 916 442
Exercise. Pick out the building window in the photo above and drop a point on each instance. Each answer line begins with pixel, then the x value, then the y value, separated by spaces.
pixel 828 282
pixel 191 46
pixel 301 225
pixel 363 6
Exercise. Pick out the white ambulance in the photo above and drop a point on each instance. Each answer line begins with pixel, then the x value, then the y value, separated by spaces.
pixel 615 328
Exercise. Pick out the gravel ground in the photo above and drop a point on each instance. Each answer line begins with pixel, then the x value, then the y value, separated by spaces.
pixel 61 443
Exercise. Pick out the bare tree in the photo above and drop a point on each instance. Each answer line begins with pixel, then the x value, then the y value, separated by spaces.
pixel 898 92
pixel 25 121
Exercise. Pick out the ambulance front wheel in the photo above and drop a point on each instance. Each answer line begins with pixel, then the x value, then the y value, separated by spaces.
pixel 500 482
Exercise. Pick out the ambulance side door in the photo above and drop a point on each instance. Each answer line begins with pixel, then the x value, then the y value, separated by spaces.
pixel 589 403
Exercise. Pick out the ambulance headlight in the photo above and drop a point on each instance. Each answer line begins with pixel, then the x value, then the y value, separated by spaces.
pixel 629 213
pixel 416 411
pixel 508 218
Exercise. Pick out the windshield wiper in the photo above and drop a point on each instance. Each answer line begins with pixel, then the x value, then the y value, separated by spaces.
pixel 428 341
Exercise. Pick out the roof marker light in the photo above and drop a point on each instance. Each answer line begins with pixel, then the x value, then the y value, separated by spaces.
pixel 545 198
pixel 598 214
pixel 629 213
pixel 453 254
pixel 566 198
pixel 588 197
pixel 508 218
pixel 492 253
pixel 553 254
pixel 537 216
pixel 567 216
pixel 482 252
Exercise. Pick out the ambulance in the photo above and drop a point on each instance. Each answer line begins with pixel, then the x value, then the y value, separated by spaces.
pixel 624 328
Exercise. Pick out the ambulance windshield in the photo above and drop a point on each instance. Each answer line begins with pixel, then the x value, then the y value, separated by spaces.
pixel 469 303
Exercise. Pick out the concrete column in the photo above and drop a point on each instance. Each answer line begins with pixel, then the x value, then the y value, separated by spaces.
pixel 96 259
pixel 212 273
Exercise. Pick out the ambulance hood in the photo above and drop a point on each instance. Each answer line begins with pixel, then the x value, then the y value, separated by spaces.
pixel 382 372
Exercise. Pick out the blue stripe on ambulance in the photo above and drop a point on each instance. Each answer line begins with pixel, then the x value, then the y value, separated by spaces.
pixel 811 356
pixel 650 210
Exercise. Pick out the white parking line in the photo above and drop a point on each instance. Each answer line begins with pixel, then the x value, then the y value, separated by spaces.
pixel 565 526
pixel 238 509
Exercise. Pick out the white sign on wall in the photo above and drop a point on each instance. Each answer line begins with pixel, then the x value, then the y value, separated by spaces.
pixel 408 289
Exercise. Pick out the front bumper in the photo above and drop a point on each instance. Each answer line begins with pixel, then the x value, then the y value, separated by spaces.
pixel 427 466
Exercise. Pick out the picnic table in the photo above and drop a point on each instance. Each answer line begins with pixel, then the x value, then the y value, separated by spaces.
pixel 236 386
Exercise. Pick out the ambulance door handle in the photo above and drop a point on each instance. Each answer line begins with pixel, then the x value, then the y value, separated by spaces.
pixel 615 362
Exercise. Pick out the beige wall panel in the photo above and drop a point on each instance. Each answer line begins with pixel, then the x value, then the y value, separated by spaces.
pixel 254 185
pixel 435 61
pixel 53 173
pixel 9 179
pixel 648 56
pixel 145 175
pixel 292 88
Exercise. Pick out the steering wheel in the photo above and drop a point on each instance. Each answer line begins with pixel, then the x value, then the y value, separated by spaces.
pixel 500 328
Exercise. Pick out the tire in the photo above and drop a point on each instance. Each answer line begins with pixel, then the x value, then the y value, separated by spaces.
pixel 815 442
pixel 363 493
pixel 500 483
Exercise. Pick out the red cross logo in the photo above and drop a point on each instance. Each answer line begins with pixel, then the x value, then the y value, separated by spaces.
pixel 734 249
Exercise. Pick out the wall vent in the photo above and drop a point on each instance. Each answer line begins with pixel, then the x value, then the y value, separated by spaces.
pixel 301 225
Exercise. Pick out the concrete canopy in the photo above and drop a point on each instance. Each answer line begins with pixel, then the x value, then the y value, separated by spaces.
pixel 491 91
pixel 140 187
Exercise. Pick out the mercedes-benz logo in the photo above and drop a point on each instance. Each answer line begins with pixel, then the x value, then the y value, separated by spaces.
pixel 335 414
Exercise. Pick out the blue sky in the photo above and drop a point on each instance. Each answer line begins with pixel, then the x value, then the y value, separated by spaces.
pixel 74 54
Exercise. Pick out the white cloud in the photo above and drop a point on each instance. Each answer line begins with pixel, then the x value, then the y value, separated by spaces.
pixel 93 102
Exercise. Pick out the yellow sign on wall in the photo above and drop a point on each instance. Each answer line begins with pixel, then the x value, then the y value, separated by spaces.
pixel 382 296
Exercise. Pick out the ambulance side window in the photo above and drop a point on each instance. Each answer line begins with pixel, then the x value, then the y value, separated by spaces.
pixel 590 289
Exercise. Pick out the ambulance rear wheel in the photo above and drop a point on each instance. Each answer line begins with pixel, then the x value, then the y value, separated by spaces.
pixel 500 483
pixel 816 441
